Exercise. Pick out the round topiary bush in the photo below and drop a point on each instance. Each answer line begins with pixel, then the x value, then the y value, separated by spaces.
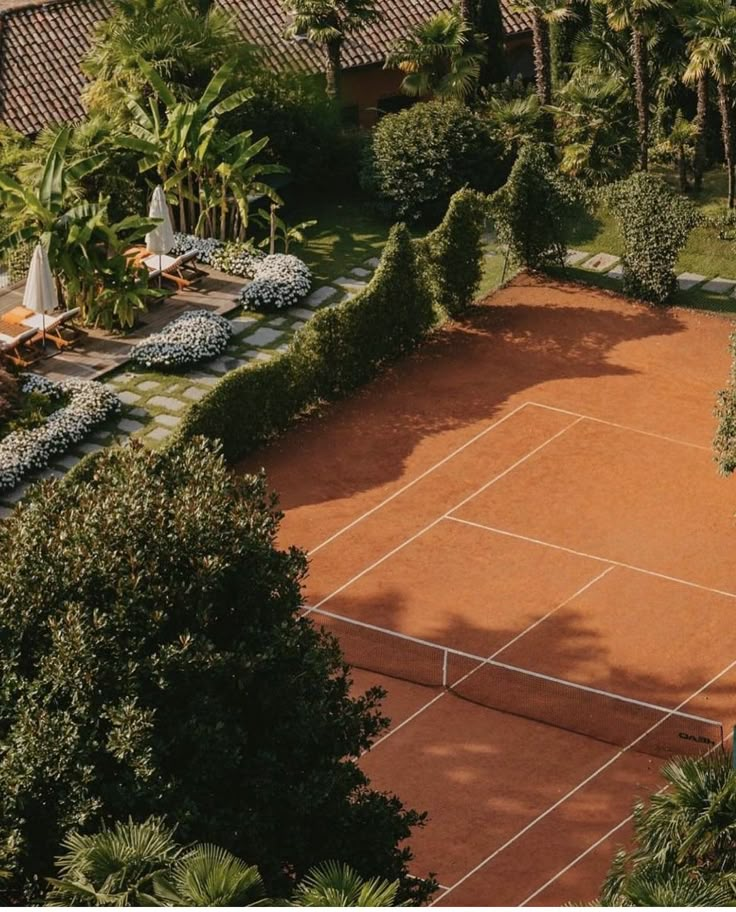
pixel 419 157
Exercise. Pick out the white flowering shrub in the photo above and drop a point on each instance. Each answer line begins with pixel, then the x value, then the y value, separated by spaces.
pixel 279 281
pixel 25 451
pixel 194 336
pixel 234 258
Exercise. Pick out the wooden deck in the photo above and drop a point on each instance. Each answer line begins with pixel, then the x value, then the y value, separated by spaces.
pixel 99 352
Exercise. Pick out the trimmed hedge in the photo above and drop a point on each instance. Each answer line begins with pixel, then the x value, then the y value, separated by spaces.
pixel 454 252
pixel 724 443
pixel 655 223
pixel 343 347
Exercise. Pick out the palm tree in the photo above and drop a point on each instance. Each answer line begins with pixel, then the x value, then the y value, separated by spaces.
pixel 328 23
pixel 207 875
pixel 685 840
pixel 183 43
pixel 439 57
pixel 543 12
pixel 640 18
pixel 514 121
pixel 333 884
pixel 711 28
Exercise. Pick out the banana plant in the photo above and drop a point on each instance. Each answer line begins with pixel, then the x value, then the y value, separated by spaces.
pixel 280 230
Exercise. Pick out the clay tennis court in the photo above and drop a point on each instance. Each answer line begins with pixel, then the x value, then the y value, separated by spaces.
pixel 524 529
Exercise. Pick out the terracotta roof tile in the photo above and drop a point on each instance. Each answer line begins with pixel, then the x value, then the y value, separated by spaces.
pixel 42 44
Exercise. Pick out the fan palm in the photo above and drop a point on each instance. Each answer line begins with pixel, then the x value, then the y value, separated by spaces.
pixel 207 875
pixel 711 28
pixel 328 23
pixel 513 121
pixel 334 884
pixel 641 18
pixel 542 13
pixel 439 57
pixel 685 840
pixel 114 867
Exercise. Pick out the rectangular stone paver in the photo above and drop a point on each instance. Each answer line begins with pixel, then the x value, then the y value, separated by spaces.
pixel 87 448
pixel 15 494
pixel 373 262
pixel 240 324
pixel 575 256
pixel 158 433
pixel 296 326
pixel 320 295
pixel 601 262
pixel 688 280
pixel 264 336
pixel 200 377
pixel 277 321
pixel 129 427
pixel 68 461
pixel 128 398
pixel 360 272
pixel 349 282
pixel 148 385
pixel 195 393
pixel 168 420
pixel 720 285
pixel 617 272
pixel 166 402
pixel 302 313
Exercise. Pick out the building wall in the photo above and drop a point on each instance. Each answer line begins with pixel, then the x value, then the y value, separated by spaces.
pixel 371 91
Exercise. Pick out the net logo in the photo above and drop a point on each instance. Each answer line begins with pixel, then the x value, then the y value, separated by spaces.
pixel 699 739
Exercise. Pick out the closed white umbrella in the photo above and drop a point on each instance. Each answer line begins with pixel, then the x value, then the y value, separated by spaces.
pixel 40 292
pixel 161 239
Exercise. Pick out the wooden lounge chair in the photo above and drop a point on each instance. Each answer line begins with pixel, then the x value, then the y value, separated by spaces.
pixel 54 324
pixel 10 347
pixel 182 270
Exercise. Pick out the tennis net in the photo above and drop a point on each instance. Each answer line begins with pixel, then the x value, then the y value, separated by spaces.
pixel 621 721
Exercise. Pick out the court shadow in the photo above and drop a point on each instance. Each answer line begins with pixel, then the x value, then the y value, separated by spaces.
pixel 531 334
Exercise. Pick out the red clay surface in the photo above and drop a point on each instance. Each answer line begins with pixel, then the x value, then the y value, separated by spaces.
pixel 535 485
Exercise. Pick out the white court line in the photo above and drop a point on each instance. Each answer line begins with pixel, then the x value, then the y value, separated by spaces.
pixel 622 427
pixel 493 655
pixel 594 775
pixel 595 557
pixel 598 842
pixel 416 480
pixel 445 515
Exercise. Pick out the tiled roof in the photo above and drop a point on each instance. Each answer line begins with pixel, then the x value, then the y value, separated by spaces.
pixel 42 44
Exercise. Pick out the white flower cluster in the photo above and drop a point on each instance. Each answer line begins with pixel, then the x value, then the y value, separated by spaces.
pixel 234 258
pixel 279 281
pixel 25 451
pixel 194 336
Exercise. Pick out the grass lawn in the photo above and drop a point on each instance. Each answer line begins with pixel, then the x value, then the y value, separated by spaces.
pixel 705 253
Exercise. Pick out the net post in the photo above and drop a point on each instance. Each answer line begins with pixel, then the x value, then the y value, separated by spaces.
pixel 444 668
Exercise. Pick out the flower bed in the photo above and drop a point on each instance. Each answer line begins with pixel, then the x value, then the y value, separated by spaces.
pixel 234 258
pixel 279 281
pixel 194 336
pixel 25 451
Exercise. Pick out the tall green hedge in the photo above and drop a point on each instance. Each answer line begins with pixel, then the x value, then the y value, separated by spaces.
pixel 724 444
pixel 454 252
pixel 417 282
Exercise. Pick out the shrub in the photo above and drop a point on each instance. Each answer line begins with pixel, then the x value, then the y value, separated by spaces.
pixel 154 661
pixel 454 252
pixel 279 281
pixel 655 223
pixel 724 444
pixel 238 258
pixel 338 350
pixel 9 394
pixel 419 157
pixel 197 335
pixel 533 210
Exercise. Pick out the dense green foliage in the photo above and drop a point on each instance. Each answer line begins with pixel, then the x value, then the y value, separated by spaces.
pixel 345 346
pixel 141 864
pixel 419 157
pixel 724 443
pixel 9 394
pixel 684 851
pixel 655 223
pixel 533 210
pixel 153 661
pixel 454 252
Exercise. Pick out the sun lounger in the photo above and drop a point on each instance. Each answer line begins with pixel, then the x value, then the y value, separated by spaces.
pixel 10 347
pixel 182 270
pixel 54 324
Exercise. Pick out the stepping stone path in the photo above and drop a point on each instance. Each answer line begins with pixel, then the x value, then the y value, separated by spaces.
pixel 601 262
pixel 720 286
pixel 688 280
